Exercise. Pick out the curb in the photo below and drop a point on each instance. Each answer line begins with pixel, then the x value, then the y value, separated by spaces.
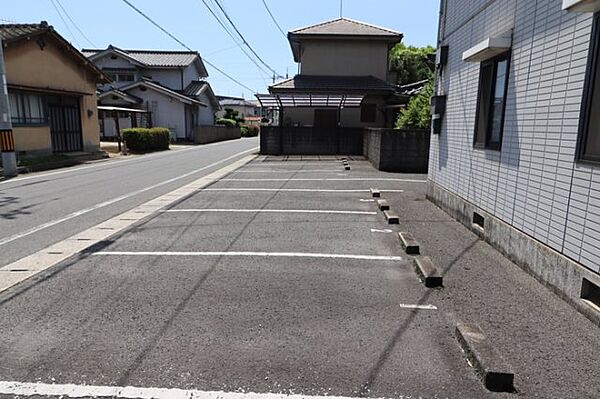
pixel 410 245
pixel 391 217
pixel 496 374
pixel 427 272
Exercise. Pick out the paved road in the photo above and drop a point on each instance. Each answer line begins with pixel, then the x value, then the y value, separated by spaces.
pixel 40 209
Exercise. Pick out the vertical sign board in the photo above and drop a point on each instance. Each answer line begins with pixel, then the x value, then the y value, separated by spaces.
pixel 7 142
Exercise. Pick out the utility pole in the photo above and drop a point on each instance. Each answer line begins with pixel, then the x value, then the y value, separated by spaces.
pixel 341 8
pixel 7 141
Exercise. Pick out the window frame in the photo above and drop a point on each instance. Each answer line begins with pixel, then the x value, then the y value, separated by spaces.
pixel 486 145
pixel 24 118
pixel 587 103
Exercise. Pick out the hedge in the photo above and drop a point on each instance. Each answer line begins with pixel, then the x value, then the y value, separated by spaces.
pixel 226 122
pixel 250 130
pixel 146 140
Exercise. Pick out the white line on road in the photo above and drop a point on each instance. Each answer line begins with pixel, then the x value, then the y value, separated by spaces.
pixel 94 391
pixel 289 171
pixel 335 179
pixel 73 215
pixel 258 254
pixel 299 190
pixel 341 212
pixel 367 200
pixel 382 231
pixel 419 307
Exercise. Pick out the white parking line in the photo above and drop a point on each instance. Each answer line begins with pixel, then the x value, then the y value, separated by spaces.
pixel 335 179
pixel 257 254
pixel 289 171
pixel 94 391
pixel 299 190
pixel 419 307
pixel 104 204
pixel 331 211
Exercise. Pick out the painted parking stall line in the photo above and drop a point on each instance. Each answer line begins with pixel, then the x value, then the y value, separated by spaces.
pixel 332 179
pixel 129 392
pixel 297 190
pixel 252 254
pixel 284 211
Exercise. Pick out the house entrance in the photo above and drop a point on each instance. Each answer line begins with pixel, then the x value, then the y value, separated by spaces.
pixel 65 123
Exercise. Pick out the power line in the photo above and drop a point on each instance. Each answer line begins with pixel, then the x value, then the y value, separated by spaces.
pixel 244 39
pixel 232 36
pixel 184 45
pixel 65 23
pixel 74 24
pixel 273 18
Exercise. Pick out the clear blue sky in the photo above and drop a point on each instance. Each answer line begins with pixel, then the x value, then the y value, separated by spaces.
pixel 113 22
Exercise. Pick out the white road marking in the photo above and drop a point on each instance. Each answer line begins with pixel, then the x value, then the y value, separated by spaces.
pixel 341 212
pixel 103 164
pixel 80 391
pixel 420 307
pixel 381 231
pixel 39 261
pixel 299 190
pixel 289 171
pixel 104 204
pixel 335 179
pixel 258 254
pixel 367 200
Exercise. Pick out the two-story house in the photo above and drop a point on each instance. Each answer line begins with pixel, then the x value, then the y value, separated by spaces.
pixel 344 77
pixel 518 150
pixel 168 85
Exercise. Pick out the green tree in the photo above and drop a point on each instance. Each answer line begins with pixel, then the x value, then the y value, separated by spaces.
pixel 234 116
pixel 412 64
pixel 417 114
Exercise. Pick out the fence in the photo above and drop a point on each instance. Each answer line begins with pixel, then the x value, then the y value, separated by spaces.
pixel 211 134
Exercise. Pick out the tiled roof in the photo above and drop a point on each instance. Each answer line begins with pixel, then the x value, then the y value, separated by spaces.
pixel 333 84
pixel 345 27
pixel 195 88
pixel 9 32
pixel 235 102
pixel 152 58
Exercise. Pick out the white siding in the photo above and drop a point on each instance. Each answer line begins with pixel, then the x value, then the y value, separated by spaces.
pixel 534 183
pixel 165 113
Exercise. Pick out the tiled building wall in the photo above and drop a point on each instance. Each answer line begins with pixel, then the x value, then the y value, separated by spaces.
pixel 534 183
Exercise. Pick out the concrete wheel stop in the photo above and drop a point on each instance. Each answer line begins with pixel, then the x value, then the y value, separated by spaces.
pixel 428 272
pixel 383 205
pixel 410 245
pixel 375 193
pixel 496 374
pixel 391 218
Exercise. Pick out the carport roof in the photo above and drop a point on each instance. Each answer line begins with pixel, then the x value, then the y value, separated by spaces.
pixel 310 100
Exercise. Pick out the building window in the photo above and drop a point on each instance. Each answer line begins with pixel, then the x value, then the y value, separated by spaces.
pixel 121 76
pixel 589 128
pixel 27 109
pixel 368 113
pixel 491 103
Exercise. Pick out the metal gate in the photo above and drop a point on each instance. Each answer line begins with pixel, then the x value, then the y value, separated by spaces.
pixel 65 124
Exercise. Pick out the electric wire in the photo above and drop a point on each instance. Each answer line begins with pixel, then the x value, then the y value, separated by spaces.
pixel 74 24
pixel 274 20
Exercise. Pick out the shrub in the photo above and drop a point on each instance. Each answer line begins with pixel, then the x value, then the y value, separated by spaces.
pixel 225 122
pixel 250 130
pixel 417 114
pixel 146 140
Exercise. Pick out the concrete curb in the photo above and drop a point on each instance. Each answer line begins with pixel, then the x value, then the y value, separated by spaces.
pixel 383 205
pixel 410 245
pixel 428 272
pixel 375 193
pixel 496 374
pixel 391 217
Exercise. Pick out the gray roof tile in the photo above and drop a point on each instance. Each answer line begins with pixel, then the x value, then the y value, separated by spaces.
pixel 345 27
pixel 9 32
pixel 154 58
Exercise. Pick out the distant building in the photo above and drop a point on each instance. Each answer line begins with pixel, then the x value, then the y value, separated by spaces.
pixel 518 151
pixel 242 106
pixel 344 80
pixel 51 89
pixel 169 85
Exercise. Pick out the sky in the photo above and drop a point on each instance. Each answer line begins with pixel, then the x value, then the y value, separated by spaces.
pixel 113 22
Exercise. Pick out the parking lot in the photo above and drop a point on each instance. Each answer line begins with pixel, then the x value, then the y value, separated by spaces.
pixel 281 277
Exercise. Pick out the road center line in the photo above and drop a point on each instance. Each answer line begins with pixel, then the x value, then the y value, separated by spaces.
pixel 299 190
pixel 80 391
pixel 257 254
pixel 330 211
pixel 104 204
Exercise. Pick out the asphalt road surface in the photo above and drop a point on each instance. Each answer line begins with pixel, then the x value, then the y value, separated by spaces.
pixel 40 209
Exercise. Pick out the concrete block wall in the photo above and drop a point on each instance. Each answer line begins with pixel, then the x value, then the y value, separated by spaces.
pixel 393 150
pixel 534 183
pixel 277 140
pixel 211 134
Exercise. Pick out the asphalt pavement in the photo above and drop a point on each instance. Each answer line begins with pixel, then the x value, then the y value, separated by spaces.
pixel 39 209
pixel 284 278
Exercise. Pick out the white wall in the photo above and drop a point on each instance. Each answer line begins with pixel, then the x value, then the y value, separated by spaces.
pixel 534 182
pixel 165 113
